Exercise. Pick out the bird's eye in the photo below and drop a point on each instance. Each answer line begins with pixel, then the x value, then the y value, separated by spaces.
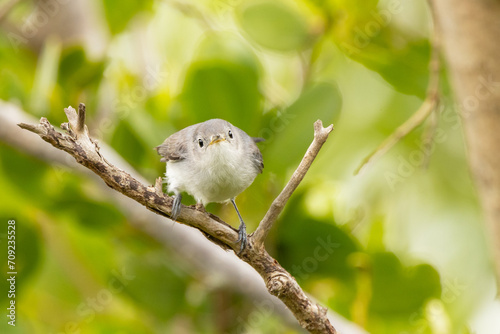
pixel 230 134
pixel 200 142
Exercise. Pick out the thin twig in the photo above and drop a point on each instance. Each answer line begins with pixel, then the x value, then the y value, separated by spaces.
pixel 320 136
pixel 428 106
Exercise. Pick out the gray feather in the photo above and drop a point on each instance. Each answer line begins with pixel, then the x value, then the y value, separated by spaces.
pixel 174 148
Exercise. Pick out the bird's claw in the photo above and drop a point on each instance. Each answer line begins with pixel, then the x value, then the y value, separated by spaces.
pixel 176 207
pixel 242 237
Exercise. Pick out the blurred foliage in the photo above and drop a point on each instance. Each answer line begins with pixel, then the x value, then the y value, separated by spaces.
pixel 380 249
pixel 120 13
pixel 222 82
pixel 275 26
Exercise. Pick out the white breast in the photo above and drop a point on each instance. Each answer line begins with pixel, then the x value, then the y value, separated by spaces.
pixel 216 177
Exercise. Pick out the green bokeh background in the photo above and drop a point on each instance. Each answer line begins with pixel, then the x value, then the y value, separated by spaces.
pixel 397 249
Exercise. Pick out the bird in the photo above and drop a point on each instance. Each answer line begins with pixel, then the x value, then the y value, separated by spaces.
pixel 213 161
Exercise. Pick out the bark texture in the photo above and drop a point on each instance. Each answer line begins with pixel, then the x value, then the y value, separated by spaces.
pixel 470 32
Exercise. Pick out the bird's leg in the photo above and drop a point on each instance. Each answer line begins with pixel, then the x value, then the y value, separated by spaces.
pixel 242 230
pixel 176 206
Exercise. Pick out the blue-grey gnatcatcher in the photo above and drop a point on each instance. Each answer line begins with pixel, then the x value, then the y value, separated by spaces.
pixel 213 161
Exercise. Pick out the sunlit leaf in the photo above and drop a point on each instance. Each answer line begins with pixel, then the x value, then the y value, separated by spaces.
pixel 16 72
pixel 290 132
pixel 405 68
pixel 119 13
pixel 274 26
pixel 223 83
pixel 401 60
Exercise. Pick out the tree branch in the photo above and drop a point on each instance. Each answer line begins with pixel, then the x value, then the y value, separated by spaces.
pixel 429 105
pixel 469 29
pixel 86 152
pixel 320 137
pixel 278 281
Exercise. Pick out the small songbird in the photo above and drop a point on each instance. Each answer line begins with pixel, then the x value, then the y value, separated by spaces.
pixel 213 161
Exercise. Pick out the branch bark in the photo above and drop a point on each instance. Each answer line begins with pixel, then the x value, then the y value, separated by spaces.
pixel 278 281
pixel 470 30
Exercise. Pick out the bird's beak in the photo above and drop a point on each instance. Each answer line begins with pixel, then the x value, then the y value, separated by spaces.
pixel 216 139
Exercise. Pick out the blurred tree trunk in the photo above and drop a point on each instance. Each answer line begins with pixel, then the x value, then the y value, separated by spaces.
pixel 470 34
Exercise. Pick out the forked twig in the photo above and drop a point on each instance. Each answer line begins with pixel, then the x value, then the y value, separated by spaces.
pixel 320 137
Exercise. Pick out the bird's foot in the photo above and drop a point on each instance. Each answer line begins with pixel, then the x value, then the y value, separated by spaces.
pixel 176 207
pixel 242 237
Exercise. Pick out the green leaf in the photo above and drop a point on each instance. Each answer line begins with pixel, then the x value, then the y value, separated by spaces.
pixel 274 26
pixel 119 13
pixel 359 7
pixel 223 83
pixel 76 71
pixel 309 248
pixel 90 214
pixel 313 250
pixel 290 132
pixel 25 172
pixel 406 69
pixel 16 72
pixel 401 61
pixel 155 286
pixel 398 290
pixel 128 144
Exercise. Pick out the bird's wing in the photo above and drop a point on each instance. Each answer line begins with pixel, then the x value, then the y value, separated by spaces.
pixel 258 139
pixel 256 155
pixel 254 150
pixel 257 158
pixel 174 148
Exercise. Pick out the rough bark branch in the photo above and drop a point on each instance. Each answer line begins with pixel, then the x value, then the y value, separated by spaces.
pixel 279 282
pixel 86 152
pixel 320 137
